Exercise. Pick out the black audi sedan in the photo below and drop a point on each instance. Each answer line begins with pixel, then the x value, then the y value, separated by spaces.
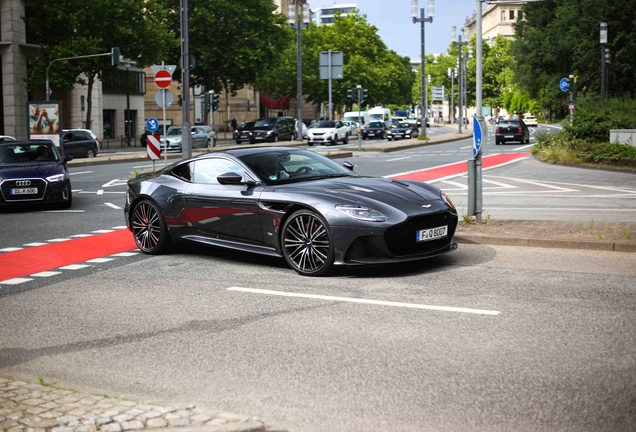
pixel 373 130
pixel 401 130
pixel 512 130
pixel 34 172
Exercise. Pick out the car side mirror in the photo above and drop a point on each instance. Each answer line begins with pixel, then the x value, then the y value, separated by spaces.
pixel 348 165
pixel 68 158
pixel 229 178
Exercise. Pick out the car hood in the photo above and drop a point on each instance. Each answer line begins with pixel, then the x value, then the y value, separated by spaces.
pixel 32 169
pixel 322 130
pixel 370 191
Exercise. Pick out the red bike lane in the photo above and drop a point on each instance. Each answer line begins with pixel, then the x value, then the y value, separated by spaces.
pixel 30 260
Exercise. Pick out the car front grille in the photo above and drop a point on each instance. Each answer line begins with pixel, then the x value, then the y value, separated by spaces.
pixel 7 185
pixel 400 240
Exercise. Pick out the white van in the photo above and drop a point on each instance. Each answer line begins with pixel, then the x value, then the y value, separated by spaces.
pixel 352 116
pixel 381 114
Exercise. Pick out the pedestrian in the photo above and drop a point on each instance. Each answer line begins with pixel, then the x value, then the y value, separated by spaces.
pixel 234 125
pixel 144 139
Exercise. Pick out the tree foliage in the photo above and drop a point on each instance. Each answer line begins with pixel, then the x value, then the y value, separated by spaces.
pixel 557 38
pixel 233 42
pixel 367 62
pixel 77 28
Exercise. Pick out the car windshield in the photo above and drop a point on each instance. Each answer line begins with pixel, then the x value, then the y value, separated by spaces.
pixel 290 166
pixel 248 125
pixel 267 123
pixel 402 125
pixel 16 152
pixel 174 131
pixel 327 124
pixel 509 124
pixel 375 125
pixel 376 116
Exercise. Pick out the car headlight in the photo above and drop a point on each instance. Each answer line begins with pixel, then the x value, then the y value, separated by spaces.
pixel 55 178
pixel 269 132
pixel 361 213
pixel 447 200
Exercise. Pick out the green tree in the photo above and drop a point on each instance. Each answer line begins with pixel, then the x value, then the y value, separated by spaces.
pixel 233 42
pixel 77 28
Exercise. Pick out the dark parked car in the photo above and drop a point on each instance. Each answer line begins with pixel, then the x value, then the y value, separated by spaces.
pixel 79 143
pixel 273 129
pixel 34 172
pixel 290 203
pixel 512 130
pixel 374 129
pixel 244 132
pixel 401 130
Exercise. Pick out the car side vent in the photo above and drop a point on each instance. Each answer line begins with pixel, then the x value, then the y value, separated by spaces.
pixel 277 206
pixel 400 183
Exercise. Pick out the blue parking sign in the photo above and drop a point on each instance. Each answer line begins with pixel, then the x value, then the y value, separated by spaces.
pixel 152 124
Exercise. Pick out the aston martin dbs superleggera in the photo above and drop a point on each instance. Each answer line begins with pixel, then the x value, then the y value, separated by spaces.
pixel 290 203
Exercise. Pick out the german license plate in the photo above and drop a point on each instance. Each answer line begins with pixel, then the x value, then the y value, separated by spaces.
pixel 371 133
pixel 431 233
pixel 508 136
pixel 23 191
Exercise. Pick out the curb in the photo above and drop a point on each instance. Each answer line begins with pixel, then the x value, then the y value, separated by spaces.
pixel 555 244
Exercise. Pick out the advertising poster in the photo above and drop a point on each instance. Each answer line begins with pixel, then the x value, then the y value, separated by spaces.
pixel 45 120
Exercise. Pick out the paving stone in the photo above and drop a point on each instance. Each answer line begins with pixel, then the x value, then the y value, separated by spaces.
pixel 86 428
pixel 134 412
pixel 181 421
pixel 51 414
pixel 62 429
pixel 156 423
pixel 123 418
pixel 111 427
pixel 135 424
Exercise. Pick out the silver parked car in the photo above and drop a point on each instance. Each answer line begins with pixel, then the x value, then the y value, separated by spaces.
pixel 199 135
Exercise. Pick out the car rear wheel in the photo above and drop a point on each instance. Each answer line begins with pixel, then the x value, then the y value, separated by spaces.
pixel 306 244
pixel 149 228
pixel 90 153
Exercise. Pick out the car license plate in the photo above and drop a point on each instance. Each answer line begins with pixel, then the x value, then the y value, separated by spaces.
pixel 259 137
pixel 508 136
pixel 23 191
pixel 431 233
pixel 371 133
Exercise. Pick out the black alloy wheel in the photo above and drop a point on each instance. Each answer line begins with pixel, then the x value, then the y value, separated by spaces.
pixel 275 138
pixel 149 228
pixel 69 194
pixel 346 139
pixel 306 244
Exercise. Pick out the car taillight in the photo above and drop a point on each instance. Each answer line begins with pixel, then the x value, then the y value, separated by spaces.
pixel 498 130
pixel 520 129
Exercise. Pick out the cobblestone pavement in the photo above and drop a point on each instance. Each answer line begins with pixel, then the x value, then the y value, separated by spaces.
pixel 607 236
pixel 29 407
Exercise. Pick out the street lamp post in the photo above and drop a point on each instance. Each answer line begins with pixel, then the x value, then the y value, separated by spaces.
pixel 461 82
pixel 603 42
pixel 422 20
pixel 298 22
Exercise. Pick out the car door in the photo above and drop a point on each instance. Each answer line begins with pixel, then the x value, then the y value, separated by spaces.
pixel 229 211
pixel 73 144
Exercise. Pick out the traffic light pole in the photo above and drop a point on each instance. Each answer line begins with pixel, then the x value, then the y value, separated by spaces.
pixel 359 126
pixel 48 89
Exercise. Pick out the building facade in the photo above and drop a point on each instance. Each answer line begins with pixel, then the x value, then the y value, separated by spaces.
pixel 325 14
pixel 497 19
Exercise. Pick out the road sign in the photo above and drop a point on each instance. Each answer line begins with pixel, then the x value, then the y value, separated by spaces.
pixel 160 100
pixel 152 124
pixel 163 78
pixel 571 106
pixel 333 59
pixel 154 151
pixel 564 84
pixel 437 93
pixel 478 135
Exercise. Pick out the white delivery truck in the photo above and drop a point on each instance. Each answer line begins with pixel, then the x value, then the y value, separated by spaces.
pixel 381 114
pixel 362 119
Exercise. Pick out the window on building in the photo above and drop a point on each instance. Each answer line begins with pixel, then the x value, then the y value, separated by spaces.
pixel 512 14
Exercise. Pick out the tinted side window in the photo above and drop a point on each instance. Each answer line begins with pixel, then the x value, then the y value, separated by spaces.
pixel 207 170
pixel 183 171
pixel 81 136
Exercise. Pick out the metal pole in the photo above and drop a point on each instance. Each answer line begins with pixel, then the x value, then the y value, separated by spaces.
pixel 127 119
pixel 359 126
pixel 479 113
pixel 299 60
pixel 186 143
pixel 459 85
pixel 423 75
pixel 330 85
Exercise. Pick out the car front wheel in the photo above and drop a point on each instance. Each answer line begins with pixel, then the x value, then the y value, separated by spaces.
pixel 149 228
pixel 306 244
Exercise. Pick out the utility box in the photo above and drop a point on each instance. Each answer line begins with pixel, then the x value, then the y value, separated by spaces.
pixel 623 136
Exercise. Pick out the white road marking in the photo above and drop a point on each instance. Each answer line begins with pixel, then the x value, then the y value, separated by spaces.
pixel 100 260
pixel 63 211
pixel 46 274
pixel 374 302
pixel 58 240
pixel 467 147
pixel 120 227
pixel 11 249
pixel 397 159
pixel 102 231
pixel 116 207
pixel 81 172
pixel 125 254
pixel 75 267
pixel 524 147
pixel 461 186
pixel 15 281
pixel 35 244
pixel 81 235
pixel 100 192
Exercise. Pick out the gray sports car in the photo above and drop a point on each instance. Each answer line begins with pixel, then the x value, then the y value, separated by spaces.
pixel 289 203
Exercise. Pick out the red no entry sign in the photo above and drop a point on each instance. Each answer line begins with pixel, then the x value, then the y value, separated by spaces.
pixel 163 78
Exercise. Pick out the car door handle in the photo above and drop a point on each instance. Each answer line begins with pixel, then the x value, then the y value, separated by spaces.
pixel 192 194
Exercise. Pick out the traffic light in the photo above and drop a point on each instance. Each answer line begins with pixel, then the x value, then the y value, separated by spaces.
pixel 206 101
pixel 350 94
pixel 114 56
pixel 365 96
pixel 215 101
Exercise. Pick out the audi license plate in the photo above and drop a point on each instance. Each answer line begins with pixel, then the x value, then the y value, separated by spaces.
pixel 431 233
pixel 23 191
